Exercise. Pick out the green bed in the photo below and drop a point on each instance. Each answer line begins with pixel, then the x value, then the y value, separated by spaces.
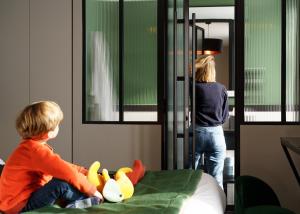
pixel 157 192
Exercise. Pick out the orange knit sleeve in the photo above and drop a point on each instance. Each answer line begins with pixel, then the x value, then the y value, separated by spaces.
pixel 80 169
pixel 49 163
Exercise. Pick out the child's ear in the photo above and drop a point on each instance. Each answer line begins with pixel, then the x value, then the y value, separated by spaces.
pixel 51 134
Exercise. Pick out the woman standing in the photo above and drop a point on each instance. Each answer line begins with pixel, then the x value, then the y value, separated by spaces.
pixel 211 110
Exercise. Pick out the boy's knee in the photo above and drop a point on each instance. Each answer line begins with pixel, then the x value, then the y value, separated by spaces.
pixel 60 183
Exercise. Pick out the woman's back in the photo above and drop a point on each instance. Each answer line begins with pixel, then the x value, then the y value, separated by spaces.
pixel 210 103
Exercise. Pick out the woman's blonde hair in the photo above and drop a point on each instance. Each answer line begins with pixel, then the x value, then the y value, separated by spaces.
pixel 38 118
pixel 205 69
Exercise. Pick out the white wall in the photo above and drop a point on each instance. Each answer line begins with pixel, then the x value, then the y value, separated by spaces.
pixel 35 64
pixel 226 12
pixel 40 59
pixel 261 155
pixel 51 62
pixel 222 67
pixel 14 69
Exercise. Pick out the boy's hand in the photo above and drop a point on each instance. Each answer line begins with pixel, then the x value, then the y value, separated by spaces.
pixel 99 195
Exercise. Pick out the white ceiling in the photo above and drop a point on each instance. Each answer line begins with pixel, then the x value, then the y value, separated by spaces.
pixel 216 30
pixel 212 12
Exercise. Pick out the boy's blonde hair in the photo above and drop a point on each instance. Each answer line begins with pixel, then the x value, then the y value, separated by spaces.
pixel 205 69
pixel 38 119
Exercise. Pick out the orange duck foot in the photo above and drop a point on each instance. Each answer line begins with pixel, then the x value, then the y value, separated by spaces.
pixel 138 171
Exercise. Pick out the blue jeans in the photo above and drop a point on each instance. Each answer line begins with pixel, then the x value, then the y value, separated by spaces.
pixel 52 191
pixel 210 141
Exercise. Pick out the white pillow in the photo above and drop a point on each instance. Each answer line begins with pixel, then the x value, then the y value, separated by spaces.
pixel 1 162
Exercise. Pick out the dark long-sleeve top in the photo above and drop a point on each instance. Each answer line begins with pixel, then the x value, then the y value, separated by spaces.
pixel 211 104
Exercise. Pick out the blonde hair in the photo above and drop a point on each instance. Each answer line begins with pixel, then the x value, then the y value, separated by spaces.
pixel 38 118
pixel 205 69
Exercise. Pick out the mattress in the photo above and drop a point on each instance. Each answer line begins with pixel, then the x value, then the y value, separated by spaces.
pixel 208 198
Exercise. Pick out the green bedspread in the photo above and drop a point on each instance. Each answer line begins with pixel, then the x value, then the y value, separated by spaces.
pixel 157 192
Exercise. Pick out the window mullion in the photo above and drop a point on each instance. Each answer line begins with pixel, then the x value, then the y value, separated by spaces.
pixel 121 60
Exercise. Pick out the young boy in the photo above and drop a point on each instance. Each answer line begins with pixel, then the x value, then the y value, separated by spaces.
pixel 34 176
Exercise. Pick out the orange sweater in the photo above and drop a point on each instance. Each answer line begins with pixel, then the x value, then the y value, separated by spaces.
pixel 30 167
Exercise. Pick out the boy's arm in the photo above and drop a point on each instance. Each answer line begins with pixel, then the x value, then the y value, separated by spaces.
pixel 46 161
pixel 80 169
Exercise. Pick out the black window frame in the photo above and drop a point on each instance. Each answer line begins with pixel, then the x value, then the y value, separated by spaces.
pixel 160 67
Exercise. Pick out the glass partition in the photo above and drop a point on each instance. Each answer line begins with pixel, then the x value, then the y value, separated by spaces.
pixel 120 61
pixel 262 41
pixel 101 60
pixel 140 60
pixel 170 85
pixel 175 84
pixel 292 61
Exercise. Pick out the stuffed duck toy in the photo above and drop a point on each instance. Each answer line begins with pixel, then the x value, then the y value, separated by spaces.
pixel 124 182
pixel 95 178
pixel 113 190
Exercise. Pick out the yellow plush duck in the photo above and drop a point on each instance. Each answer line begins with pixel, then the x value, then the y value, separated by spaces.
pixel 113 190
pixel 93 176
pixel 125 184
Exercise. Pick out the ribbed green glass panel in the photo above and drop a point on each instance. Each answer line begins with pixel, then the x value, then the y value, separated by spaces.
pixel 180 84
pixel 140 52
pixel 180 106
pixel 211 3
pixel 170 85
pixel 262 60
pixel 180 39
pixel 102 60
pixel 292 61
pixel 180 68
pixel 180 154
pixel 170 78
pixel 140 58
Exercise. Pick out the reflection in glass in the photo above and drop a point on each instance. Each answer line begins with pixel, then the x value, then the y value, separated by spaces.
pixel 102 60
